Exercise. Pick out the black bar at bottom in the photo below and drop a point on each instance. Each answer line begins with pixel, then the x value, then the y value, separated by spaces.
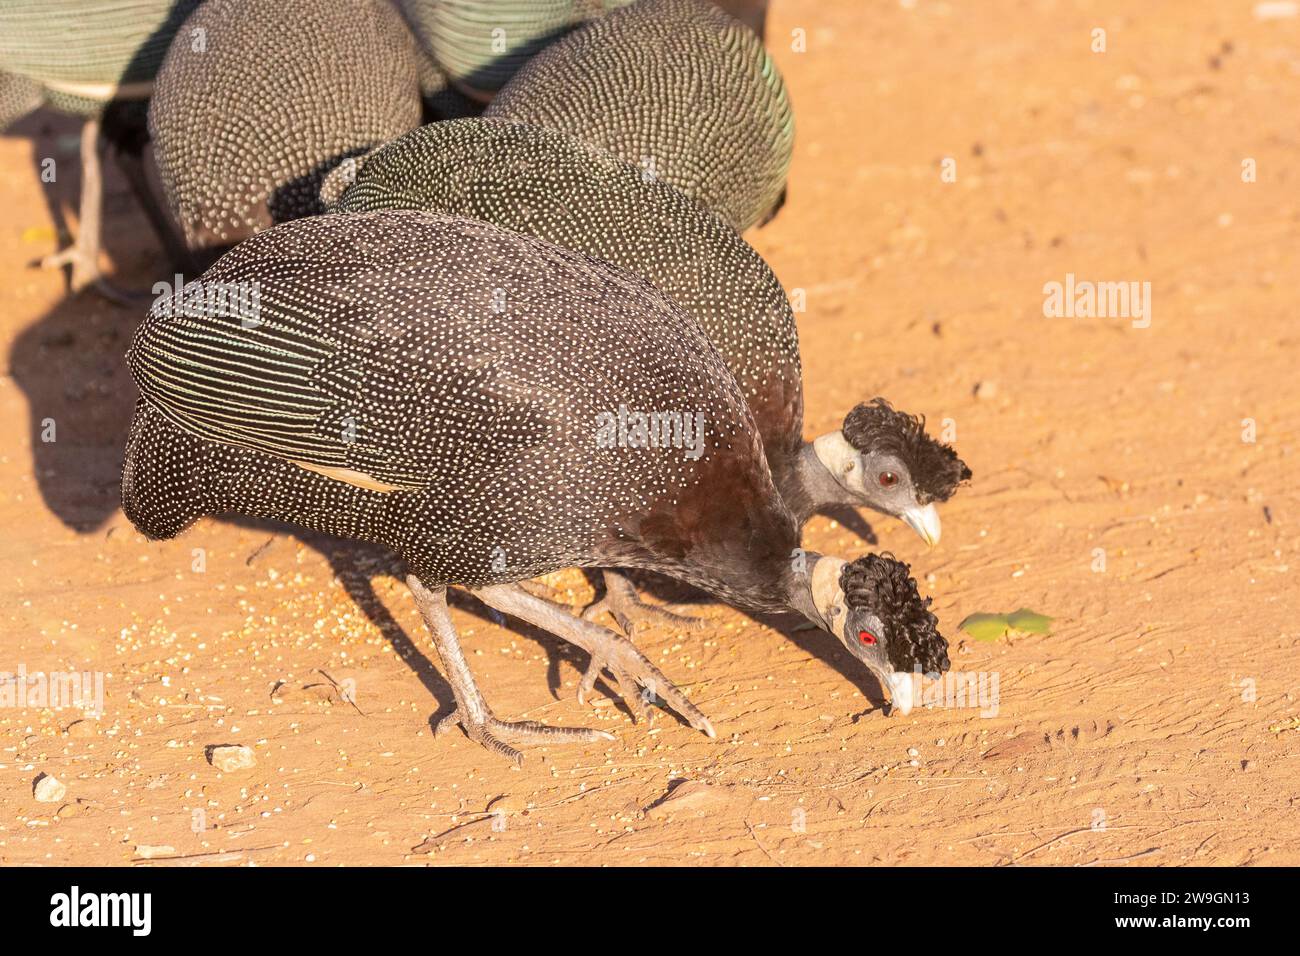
pixel 920 906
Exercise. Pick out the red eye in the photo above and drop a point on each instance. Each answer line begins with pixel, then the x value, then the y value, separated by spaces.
pixel 866 637
pixel 888 479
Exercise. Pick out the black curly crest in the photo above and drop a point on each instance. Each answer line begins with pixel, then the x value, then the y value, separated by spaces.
pixel 884 585
pixel 935 468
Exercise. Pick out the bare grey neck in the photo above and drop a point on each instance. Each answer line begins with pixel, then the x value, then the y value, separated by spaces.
pixel 798 587
pixel 812 486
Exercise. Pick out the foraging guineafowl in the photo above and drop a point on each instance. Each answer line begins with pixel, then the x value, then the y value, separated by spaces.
pixel 676 87
pixel 95 60
pixel 246 123
pixel 548 184
pixel 492 408
pixel 481 44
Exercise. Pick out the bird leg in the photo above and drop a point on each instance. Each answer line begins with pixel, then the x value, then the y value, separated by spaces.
pixel 626 607
pixel 607 648
pixel 83 254
pixel 472 712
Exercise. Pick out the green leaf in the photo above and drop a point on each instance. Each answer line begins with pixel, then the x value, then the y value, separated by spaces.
pixel 989 627
pixel 985 627
pixel 1030 622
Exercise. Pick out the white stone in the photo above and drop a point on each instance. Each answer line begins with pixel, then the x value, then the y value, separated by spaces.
pixel 231 758
pixel 48 789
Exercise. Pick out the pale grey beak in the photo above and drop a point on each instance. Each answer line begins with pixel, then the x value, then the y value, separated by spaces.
pixel 901 691
pixel 925 522
pixel 901 687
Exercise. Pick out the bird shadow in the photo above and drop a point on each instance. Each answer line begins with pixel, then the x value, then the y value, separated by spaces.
pixel 814 641
pixel 70 367
pixel 851 519
pixel 54 136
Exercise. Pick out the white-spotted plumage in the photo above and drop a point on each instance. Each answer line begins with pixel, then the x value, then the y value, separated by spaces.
pixel 85 55
pixel 467 366
pixel 676 87
pixel 258 99
pixel 548 184
pixel 481 43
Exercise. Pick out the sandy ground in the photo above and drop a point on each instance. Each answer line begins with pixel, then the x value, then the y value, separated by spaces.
pixel 1156 724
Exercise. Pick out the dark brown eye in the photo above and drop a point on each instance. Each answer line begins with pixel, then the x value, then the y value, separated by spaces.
pixel 888 479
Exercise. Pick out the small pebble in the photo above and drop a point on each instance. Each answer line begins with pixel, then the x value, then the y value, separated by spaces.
pixel 913 752
pixel 232 758
pixel 690 796
pixel 83 729
pixel 47 789
pixel 146 852
pixel 1277 10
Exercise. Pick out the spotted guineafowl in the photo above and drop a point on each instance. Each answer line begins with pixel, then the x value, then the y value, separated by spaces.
pixel 547 184
pixel 98 61
pixel 676 87
pixel 247 121
pixel 491 407
pixel 481 44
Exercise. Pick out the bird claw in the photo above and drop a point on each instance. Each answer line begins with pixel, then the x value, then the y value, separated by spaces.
pixel 497 735
pixel 625 606
pixel 65 256
pixel 640 684
pixel 608 649
pixel 86 274
pixel 634 696
pixel 85 270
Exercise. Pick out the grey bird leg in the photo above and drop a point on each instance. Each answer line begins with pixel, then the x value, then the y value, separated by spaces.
pixel 626 607
pixel 472 711
pixel 83 254
pixel 607 649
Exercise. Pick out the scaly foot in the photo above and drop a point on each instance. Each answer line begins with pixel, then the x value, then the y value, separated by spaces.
pixel 626 607
pixel 85 270
pixel 497 735
pixel 86 274
pixel 472 711
pixel 639 681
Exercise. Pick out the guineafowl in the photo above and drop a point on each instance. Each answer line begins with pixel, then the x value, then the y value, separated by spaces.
pixel 481 44
pixel 549 185
pixel 676 87
pixel 95 60
pixel 247 123
pixel 492 407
